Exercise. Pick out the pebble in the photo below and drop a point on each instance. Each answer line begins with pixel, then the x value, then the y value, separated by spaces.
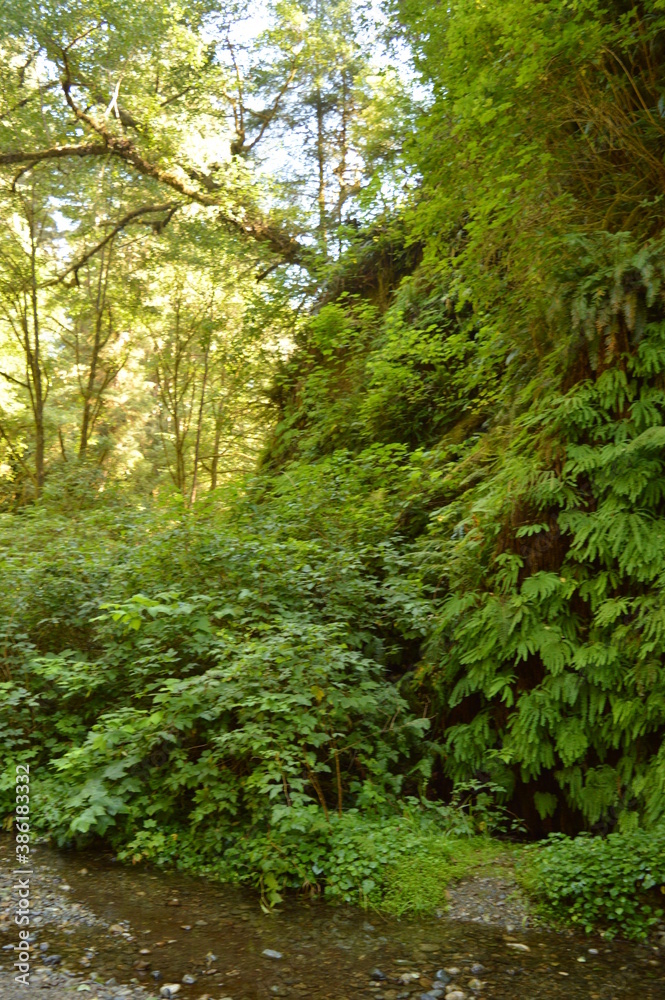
pixel 517 945
pixel 475 984
pixel 443 976
pixel 169 990
pixel 269 953
pixel 408 977
pixel 188 980
pixel 456 995
pixel 477 968
pixel 378 975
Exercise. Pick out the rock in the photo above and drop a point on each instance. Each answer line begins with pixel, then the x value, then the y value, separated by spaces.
pixel 186 927
pixel 409 977
pixel 456 995
pixel 517 945
pixel 452 971
pixel 116 929
pixel 52 960
pixel 378 976
pixel 43 946
pixel 477 968
pixel 269 953
pixel 83 871
pixel 156 975
pixel 443 977
pixel 475 984
pixel 172 902
pixel 170 990
pixel 201 923
pixel 188 980
pixel 145 951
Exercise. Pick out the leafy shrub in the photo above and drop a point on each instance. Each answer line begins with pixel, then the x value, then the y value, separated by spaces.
pixel 613 883
pixel 395 861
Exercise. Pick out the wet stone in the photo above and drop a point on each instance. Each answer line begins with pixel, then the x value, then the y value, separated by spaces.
pixel 170 990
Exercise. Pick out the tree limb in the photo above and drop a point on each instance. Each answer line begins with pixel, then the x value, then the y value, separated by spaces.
pixel 169 207
pixel 257 228
pixel 14 381
pixel 54 153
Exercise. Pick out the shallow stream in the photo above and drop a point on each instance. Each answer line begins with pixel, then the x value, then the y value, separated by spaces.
pixel 215 942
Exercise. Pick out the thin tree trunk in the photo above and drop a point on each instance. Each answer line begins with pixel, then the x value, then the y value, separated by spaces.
pixel 34 362
pixel 321 164
pixel 199 424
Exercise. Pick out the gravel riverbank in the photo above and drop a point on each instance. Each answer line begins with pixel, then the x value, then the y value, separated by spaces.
pixel 50 907
pixel 100 948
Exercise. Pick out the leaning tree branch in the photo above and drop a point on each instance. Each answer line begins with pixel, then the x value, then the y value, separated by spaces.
pixel 255 227
pixel 169 207
pixel 14 381
pixel 54 153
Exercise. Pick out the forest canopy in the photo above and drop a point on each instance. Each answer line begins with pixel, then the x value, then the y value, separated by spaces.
pixel 332 401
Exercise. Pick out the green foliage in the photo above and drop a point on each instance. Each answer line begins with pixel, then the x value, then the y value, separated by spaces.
pixel 262 686
pixel 400 862
pixel 437 609
pixel 614 883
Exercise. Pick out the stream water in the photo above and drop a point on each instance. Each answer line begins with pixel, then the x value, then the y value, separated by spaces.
pixel 215 942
